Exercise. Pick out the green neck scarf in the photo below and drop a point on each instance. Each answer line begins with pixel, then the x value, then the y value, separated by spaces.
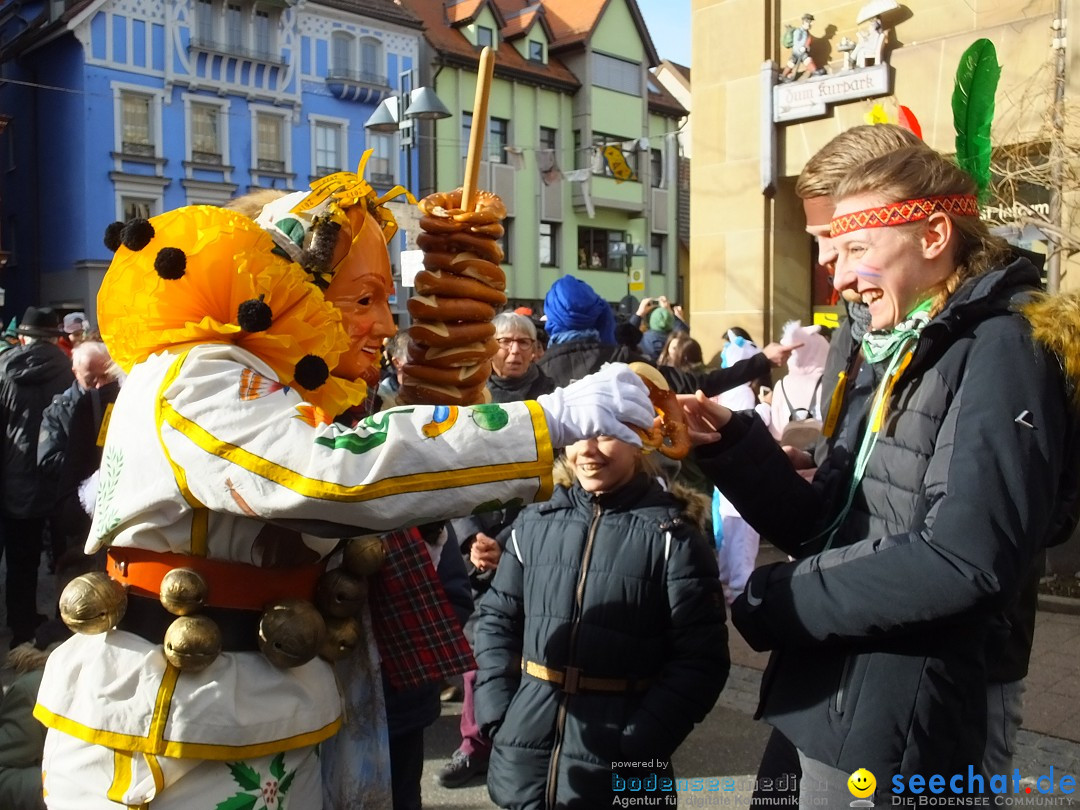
pixel 891 346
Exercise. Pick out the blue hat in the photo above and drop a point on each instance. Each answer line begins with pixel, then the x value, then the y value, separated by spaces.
pixel 572 305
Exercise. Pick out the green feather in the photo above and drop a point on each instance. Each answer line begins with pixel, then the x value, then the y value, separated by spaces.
pixel 973 110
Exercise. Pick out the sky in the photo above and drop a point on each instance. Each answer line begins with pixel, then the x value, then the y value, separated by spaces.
pixel 669 25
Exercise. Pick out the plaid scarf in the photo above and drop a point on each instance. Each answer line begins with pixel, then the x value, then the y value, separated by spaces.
pixel 419 637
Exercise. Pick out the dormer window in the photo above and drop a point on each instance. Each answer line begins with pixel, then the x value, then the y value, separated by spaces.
pixel 485 37
pixel 536 51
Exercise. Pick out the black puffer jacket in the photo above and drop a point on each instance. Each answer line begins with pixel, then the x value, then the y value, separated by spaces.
pixel 880 642
pixel 620 586
pixel 30 376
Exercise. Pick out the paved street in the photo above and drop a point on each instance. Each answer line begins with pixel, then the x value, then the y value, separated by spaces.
pixel 729 742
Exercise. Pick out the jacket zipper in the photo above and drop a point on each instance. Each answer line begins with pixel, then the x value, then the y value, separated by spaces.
pixel 575 624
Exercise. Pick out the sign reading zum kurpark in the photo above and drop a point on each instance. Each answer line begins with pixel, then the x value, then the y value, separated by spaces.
pixel 810 97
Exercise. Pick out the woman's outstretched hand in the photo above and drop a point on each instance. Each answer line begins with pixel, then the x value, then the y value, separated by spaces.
pixel 704 418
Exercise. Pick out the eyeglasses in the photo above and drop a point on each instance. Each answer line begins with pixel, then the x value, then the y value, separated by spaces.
pixel 521 343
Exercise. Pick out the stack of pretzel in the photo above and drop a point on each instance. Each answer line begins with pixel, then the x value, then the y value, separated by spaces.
pixel 452 339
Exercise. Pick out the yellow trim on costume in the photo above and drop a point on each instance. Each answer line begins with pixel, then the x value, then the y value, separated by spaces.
pixel 400 485
pixel 544 450
pixel 200 515
pixel 178 750
pixel 122 776
pixel 162 705
pixel 155 772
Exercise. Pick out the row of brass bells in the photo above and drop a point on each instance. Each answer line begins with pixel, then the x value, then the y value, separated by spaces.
pixel 291 633
pixel 192 642
pixel 341 593
pixel 93 603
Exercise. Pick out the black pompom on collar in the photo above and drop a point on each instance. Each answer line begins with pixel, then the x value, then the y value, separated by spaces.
pixel 170 263
pixel 113 236
pixel 254 315
pixel 137 234
pixel 311 372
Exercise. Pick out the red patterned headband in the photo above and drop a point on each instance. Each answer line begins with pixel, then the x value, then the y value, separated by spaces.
pixel 963 205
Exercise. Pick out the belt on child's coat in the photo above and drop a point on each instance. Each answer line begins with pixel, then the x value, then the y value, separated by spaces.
pixel 572 681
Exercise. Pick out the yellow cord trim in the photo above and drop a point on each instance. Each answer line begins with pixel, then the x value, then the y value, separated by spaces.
pixel 882 405
pixel 179 750
pixel 155 772
pixel 400 485
pixel 835 403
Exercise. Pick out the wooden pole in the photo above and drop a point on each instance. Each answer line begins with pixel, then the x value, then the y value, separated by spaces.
pixel 479 127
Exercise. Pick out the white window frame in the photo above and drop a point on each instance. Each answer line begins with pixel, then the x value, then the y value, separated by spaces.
pixel 342 127
pixel 351 51
pixel 286 137
pixel 196 31
pixel 272 21
pixel 380 58
pixel 394 153
pixel 227 29
pixel 223 128
pixel 119 89
pixel 129 188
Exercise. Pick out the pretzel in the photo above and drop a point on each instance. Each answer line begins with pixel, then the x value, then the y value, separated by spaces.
pixel 460 241
pixel 469 265
pixel 442 335
pixel 487 208
pixel 414 392
pixel 670 435
pixel 467 354
pixel 438 308
pixel 451 285
pixel 458 376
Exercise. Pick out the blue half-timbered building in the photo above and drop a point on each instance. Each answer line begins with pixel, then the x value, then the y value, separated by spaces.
pixel 122 108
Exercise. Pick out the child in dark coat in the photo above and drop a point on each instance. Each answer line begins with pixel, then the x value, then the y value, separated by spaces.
pixel 622 649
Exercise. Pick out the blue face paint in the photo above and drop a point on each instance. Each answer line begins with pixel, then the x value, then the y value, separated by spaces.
pixel 866 272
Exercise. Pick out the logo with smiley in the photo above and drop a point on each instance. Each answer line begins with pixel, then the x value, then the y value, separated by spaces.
pixel 861 785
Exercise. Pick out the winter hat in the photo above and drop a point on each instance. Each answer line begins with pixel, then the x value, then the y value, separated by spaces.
pixel 810 357
pixel 42 322
pixel 661 320
pixel 571 305
pixel 75 322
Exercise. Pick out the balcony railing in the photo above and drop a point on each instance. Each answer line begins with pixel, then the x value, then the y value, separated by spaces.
pixel 256 55
pixel 359 76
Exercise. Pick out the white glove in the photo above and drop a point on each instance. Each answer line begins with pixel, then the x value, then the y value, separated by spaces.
pixel 598 405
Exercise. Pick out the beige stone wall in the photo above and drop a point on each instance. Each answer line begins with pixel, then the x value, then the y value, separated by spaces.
pixel 749 257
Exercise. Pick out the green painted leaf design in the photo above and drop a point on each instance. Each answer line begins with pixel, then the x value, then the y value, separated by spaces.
pixel 245 776
pixel 277 767
pixel 356 443
pixel 286 783
pixel 241 801
pixel 490 416
pixel 106 518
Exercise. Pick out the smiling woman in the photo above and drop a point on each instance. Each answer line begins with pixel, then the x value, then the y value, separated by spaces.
pixel 933 500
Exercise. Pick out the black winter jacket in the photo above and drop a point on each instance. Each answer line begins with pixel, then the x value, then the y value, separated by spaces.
pixel 30 376
pixel 880 640
pixel 620 586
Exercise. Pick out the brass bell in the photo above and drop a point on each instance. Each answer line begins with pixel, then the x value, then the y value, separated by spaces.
pixel 342 636
pixel 192 643
pixel 93 603
pixel 363 556
pixel 340 594
pixel 183 591
pixel 291 632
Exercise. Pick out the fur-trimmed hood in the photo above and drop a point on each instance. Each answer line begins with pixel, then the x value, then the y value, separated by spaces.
pixel 1055 323
pixel 694 505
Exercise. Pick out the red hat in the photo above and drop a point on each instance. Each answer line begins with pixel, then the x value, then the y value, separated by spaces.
pixel 526 311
